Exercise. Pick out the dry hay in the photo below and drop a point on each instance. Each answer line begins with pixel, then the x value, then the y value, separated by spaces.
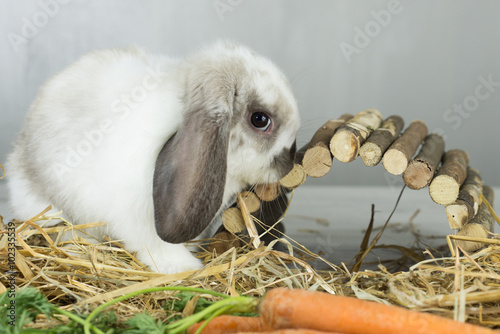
pixel 78 274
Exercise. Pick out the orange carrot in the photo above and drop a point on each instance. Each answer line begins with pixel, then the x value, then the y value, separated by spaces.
pixel 231 324
pixel 285 308
pixel 292 331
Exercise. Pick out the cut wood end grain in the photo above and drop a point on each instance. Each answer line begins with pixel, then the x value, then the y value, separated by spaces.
pixel 371 154
pixel 377 143
pixel 480 226
pixel 345 146
pixel 317 160
pixel 444 189
pixel 421 169
pixel 467 204
pixel 395 162
pixel 457 215
pixel 321 137
pixel 399 154
pixel 345 143
pixel 232 220
pixel 418 174
pixel 445 186
pixel 294 178
pixel 267 192
pixel 251 200
pixel 472 230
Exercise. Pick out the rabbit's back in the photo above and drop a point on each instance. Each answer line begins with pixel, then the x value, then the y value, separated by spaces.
pixel 92 135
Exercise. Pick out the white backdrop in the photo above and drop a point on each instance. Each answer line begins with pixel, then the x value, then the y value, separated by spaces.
pixel 438 61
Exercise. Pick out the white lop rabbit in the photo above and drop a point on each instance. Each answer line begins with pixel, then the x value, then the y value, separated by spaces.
pixel 154 146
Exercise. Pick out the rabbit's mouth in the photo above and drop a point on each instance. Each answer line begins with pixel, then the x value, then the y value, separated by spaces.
pixel 283 162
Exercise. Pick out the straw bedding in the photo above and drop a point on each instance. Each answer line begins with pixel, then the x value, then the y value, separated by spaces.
pixel 77 275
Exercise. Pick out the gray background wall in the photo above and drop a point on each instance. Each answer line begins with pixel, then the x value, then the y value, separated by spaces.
pixel 419 62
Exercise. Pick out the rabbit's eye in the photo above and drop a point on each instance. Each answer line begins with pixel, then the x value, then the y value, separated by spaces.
pixel 260 121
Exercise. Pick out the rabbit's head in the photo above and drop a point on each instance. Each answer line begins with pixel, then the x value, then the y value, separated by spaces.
pixel 239 126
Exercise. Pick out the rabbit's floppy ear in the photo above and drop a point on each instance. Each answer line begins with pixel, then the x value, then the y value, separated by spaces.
pixel 190 172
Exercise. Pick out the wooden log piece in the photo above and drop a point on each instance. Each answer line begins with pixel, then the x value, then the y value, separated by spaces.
pixel 349 137
pixel 268 226
pixel 397 157
pixel 222 242
pixel 315 156
pixel 267 192
pixel 421 169
pixel 466 206
pixel 294 178
pixel 480 226
pixel 232 219
pixel 445 186
pixel 323 135
pixel 251 200
pixel 373 149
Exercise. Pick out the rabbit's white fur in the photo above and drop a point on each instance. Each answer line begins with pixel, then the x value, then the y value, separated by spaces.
pixel 93 135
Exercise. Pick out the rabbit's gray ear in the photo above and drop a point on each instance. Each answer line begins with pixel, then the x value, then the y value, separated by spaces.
pixel 190 175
